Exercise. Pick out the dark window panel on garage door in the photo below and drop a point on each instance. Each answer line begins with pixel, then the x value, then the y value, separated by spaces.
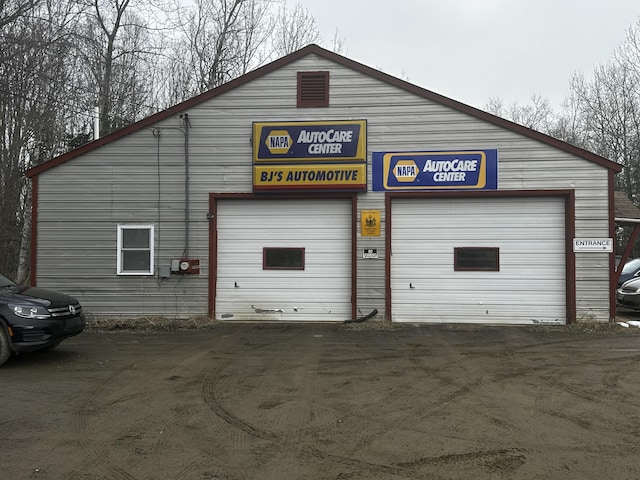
pixel 278 258
pixel 476 259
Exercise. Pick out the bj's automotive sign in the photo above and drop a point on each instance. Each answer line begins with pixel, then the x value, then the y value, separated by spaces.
pixel 310 156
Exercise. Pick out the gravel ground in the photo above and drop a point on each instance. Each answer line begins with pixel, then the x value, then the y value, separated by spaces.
pixel 146 399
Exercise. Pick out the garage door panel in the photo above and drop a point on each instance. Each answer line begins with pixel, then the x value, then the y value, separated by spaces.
pixel 529 286
pixel 245 290
pixel 461 233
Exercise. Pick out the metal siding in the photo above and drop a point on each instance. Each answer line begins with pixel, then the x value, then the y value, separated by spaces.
pixel 118 183
pixel 320 292
pixel 80 206
pixel 528 288
pixel 370 271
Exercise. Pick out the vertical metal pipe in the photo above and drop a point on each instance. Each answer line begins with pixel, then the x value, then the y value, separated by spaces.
pixel 186 184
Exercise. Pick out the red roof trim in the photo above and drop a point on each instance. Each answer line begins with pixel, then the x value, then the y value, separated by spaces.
pixel 315 49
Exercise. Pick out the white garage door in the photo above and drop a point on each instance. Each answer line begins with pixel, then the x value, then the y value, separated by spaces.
pixel 284 260
pixel 528 235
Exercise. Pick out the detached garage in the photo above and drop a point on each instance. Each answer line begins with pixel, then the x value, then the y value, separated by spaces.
pixel 318 189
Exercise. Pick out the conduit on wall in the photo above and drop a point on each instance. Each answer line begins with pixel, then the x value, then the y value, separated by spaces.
pixel 186 125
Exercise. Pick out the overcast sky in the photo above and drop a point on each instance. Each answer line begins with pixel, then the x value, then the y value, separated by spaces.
pixel 474 50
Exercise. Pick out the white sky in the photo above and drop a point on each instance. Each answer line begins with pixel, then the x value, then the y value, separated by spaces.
pixel 474 50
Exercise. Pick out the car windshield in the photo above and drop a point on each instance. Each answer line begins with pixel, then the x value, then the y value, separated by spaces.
pixel 631 266
pixel 5 282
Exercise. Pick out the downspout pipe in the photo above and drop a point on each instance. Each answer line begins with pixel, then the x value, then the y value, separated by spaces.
pixel 185 119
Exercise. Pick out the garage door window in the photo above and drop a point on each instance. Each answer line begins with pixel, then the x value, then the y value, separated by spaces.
pixel 135 249
pixel 278 258
pixel 476 259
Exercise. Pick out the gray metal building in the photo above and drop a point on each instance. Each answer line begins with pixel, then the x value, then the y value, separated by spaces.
pixel 316 188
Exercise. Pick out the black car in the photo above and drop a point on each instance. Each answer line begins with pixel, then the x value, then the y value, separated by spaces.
pixel 631 269
pixel 34 318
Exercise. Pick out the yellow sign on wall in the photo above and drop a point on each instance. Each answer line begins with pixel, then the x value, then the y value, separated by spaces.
pixel 310 156
pixel 370 223
pixel 348 176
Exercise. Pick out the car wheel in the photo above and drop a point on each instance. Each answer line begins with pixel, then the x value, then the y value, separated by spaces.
pixel 5 351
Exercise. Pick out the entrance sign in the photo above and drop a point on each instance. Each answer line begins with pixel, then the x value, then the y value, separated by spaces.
pixel 435 170
pixel 593 245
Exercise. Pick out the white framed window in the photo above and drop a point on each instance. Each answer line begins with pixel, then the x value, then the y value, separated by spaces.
pixel 135 249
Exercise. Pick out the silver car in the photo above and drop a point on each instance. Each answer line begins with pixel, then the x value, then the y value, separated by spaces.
pixel 628 294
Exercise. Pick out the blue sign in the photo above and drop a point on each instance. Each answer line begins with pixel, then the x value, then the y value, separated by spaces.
pixel 304 141
pixel 439 170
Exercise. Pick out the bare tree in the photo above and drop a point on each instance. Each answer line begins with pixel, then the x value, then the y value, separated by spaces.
pixel 338 43
pixel 12 10
pixel 58 57
pixel 294 29
pixel 116 49
pixel 610 109
pixel 32 114
pixel 537 115
pixel 216 41
pixel 569 126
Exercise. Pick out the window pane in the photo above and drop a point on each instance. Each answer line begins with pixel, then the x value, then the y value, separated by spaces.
pixel 136 260
pixel 283 258
pixel 481 258
pixel 135 238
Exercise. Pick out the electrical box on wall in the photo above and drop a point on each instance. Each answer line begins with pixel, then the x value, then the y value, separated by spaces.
pixel 185 265
pixel 164 271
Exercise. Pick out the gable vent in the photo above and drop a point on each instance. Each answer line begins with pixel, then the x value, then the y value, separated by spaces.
pixel 313 89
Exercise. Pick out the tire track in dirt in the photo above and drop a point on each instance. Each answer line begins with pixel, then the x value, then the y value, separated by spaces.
pixel 237 436
pixel 590 399
pixel 477 458
pixel 404 471
pixel 461 381
pixel 527 362
pixel 210 398
pixel 364 425
pixel 211 380
pixel 297 418
pixel 358 427
pixel 293 440
pixel 595 405
pixel 99 457
pixel 135 435
pixel 172 429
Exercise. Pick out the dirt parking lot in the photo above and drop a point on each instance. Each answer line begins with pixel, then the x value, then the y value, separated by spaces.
pixel 234 401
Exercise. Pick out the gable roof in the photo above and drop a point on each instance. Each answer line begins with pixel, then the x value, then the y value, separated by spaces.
pixel 346 62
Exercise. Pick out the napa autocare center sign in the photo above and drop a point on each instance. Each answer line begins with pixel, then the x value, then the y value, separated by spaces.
pixel 435 170
pixel 289 156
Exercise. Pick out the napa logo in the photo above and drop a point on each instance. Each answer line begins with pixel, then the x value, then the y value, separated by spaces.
pixel 405 171
pixel 279 142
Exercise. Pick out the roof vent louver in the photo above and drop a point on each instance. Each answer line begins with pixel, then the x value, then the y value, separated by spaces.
pixel 313 89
